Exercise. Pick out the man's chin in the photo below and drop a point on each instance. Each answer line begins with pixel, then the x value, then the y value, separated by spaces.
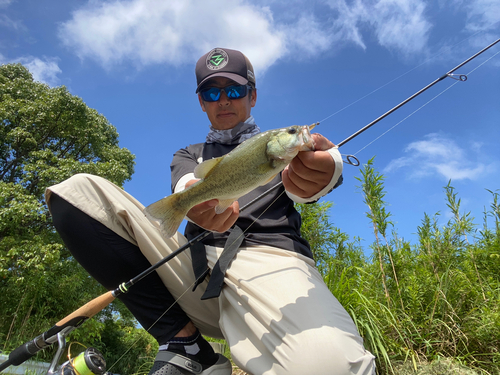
pixel 225 125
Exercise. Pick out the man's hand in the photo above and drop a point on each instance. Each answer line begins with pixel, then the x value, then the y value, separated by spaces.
pixel 310 171
pixel 204 215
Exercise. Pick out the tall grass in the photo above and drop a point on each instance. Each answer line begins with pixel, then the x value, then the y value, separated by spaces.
pixel 435 302
pixel 422 302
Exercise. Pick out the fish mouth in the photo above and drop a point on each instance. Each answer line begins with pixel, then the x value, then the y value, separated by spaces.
pixel 307 138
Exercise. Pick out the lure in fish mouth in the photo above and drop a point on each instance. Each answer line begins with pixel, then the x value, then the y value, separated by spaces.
pixel 253 163
pixel 307 137
pixel 307 141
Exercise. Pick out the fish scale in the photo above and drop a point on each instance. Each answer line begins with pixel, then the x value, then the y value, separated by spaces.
pixel 253 163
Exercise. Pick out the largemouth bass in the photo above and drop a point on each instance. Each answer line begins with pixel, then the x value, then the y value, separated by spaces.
pixel 253 163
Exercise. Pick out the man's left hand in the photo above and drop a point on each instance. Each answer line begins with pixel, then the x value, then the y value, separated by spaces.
pixel 310 171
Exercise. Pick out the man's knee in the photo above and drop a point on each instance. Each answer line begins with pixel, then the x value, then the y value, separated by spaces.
pixel 82 178
pixel 337 353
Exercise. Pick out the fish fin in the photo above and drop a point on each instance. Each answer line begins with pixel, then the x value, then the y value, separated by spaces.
pixel 223 205
pixel 202 170
pixel 168 213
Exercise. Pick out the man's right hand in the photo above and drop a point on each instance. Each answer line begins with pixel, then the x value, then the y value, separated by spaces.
pixel 204 215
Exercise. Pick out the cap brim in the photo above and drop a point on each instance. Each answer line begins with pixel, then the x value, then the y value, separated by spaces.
pixel 234 77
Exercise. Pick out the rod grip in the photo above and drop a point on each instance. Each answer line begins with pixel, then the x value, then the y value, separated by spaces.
pixel 86 311
pixel 77 317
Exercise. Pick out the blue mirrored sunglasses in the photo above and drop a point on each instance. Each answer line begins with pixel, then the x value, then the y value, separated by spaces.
pixel 212 94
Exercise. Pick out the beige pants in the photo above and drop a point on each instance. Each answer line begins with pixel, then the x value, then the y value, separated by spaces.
pixel 275 311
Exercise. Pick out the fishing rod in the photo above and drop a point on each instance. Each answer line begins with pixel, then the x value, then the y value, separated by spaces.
pixel 461 77
pixel 351 159
pixel 62 328
pixel 72 321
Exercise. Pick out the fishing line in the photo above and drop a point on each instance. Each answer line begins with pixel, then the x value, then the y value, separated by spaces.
pixel 484 62
pixel 418 109
pixel 402 75
pixel 446 75
pixel 152 325
pixel 449 74
pixel 75 319
pixel 411 114
pixel 262 213
pixel 204 234
pixel 200 277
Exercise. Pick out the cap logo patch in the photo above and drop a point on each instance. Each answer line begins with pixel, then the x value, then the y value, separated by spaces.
pixel 217 59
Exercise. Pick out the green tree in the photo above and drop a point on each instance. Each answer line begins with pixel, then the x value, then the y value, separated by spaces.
pixel 332 249
pixel 46 136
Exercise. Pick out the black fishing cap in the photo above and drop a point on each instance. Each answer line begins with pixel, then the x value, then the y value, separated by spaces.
pixel 224 62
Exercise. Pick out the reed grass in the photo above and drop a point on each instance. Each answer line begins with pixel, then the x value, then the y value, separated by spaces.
pixel 429 307
pixel 432 307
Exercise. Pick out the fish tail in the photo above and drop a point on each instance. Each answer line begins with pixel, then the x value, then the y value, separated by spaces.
pixel 168 212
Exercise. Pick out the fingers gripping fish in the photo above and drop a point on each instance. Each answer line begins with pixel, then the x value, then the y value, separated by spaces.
pixel 253 163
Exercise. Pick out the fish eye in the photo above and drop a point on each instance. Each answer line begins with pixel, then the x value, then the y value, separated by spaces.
pixel 292 131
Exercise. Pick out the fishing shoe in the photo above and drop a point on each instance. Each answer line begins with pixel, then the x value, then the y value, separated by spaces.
pixel 168 363
pixel 189 355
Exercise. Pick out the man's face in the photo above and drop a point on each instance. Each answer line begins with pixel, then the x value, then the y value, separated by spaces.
pixel 227 113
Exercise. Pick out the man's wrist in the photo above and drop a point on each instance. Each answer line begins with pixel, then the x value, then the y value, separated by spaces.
pixel 181 184
pixel 339 164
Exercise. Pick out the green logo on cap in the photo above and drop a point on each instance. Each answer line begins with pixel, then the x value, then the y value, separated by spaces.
pixel 217 59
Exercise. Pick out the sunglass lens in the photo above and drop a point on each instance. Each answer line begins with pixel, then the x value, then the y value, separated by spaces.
pixel 211 95
pixel 236 92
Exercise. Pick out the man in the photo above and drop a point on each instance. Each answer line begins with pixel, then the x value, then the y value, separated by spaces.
pixel 273 308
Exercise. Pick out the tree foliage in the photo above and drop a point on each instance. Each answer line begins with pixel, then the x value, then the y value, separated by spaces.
pixel 412 303
pixel 47 135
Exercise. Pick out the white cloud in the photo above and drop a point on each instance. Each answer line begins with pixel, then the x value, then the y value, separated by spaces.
pixel 482 15
pixel 45 71
pixel 346 24
pixel 9 23
pixel 482 21
pixel 306 37
pixel 399 25
pixel 441 156
pixel 5 3
pixel 174 32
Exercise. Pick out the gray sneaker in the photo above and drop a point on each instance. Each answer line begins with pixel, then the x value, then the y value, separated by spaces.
pixel 168 363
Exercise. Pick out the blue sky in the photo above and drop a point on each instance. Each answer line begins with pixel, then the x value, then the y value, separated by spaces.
pixel 344 62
